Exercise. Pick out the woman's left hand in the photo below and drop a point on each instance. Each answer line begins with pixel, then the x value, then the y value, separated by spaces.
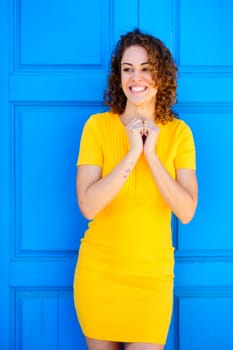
pixel 151 131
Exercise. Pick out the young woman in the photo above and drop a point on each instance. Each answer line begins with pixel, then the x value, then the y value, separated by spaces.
pixel 136 166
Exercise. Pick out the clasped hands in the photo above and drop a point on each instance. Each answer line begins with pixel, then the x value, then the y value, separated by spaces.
pixel 139 130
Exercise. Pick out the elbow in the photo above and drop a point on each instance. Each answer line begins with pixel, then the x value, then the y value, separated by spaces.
pixel 186 219
pixel 86 212
pixel 87 215
pixel 187 215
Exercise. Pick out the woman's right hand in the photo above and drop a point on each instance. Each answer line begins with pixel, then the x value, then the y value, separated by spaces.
pixel 134 130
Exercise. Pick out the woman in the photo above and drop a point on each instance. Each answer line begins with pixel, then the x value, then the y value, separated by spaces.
pixel 136 165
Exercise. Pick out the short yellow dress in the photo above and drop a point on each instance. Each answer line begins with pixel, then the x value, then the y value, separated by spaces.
pixel 123 283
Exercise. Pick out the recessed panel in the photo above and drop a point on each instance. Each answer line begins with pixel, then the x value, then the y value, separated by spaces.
pixel 69 332
pixel 205 88
pixel 211 228
pixel 61 33
pixel 205 322
pixel 46 320
pixel 206 33
pixel 126 17
pixel 155 17
pixel 46 148
pixel 36 320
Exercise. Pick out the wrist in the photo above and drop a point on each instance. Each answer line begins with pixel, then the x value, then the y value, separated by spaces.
pixel 151 156
pixel 135 153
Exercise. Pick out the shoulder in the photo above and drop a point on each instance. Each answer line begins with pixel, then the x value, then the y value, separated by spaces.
pixel 176 127
pixel 100 119
pixel 177 124
pixel 99 126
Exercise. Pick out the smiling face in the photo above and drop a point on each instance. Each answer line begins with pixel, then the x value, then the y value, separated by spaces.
pixel 136 77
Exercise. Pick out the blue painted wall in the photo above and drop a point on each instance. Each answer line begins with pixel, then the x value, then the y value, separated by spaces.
pixel 53 65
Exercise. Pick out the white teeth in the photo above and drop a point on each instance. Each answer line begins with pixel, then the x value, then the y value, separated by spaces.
pixel 138 88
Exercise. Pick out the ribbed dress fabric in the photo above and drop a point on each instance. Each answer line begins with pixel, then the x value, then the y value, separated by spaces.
pixel 123 283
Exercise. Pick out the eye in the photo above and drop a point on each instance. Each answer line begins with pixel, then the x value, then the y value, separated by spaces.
pixel 146 69
pixel 127 69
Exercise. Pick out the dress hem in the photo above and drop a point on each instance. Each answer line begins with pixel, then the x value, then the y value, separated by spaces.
pixel 126 339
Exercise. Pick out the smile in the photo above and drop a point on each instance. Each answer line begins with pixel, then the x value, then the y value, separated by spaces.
pixel 138 88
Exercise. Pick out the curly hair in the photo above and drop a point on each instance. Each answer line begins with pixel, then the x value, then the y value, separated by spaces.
pixel 164 73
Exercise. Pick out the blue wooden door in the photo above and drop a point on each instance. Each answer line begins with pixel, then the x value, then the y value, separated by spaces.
pixel 53 65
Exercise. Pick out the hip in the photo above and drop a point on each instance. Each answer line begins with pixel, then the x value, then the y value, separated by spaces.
pixel 156 262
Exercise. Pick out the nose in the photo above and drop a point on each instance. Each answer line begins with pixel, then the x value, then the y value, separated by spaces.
pixel 136 74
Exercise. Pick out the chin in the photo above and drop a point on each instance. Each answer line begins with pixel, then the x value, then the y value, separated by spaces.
pixel 141 102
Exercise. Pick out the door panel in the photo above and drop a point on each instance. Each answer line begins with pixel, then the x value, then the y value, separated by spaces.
pixel 203 312
pixel 53 67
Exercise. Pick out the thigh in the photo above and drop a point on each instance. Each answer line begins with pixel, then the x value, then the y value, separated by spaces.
pixel 143 346
pixel 95 344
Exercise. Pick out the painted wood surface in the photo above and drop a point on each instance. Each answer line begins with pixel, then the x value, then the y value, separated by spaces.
pixel 53 65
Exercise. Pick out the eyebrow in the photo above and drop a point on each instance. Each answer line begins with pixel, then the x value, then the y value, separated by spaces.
pixel 130 64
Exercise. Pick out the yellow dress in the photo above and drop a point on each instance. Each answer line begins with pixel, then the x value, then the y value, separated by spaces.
pixel 123 283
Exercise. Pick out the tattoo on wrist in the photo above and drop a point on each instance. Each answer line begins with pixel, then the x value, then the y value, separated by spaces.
pixel 126 173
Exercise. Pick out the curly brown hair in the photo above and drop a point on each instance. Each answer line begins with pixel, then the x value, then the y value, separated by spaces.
pixel 164 73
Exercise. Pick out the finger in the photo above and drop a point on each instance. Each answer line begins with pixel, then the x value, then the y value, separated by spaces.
pixel 135 120
pixel 136 129
pixel 135 124
pixel 149 125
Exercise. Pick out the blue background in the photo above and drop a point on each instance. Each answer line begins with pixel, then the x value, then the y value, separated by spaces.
pixel 53 65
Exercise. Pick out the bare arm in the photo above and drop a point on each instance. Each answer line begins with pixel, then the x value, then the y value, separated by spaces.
pixel 94 192
pixel 181 193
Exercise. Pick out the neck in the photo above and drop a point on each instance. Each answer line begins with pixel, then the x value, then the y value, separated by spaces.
pixel 143 112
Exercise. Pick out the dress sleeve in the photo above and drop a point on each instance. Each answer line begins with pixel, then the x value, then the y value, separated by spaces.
pixel 185 155
pixel 90 150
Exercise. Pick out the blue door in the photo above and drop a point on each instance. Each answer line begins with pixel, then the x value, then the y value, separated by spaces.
pixel 53 65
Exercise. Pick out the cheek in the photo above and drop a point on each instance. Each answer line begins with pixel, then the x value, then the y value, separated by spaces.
pixel 153 83
pixel 123 84
pixel 154 87
pixel 123 79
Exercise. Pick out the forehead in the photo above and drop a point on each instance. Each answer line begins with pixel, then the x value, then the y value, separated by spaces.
pixel 135 55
